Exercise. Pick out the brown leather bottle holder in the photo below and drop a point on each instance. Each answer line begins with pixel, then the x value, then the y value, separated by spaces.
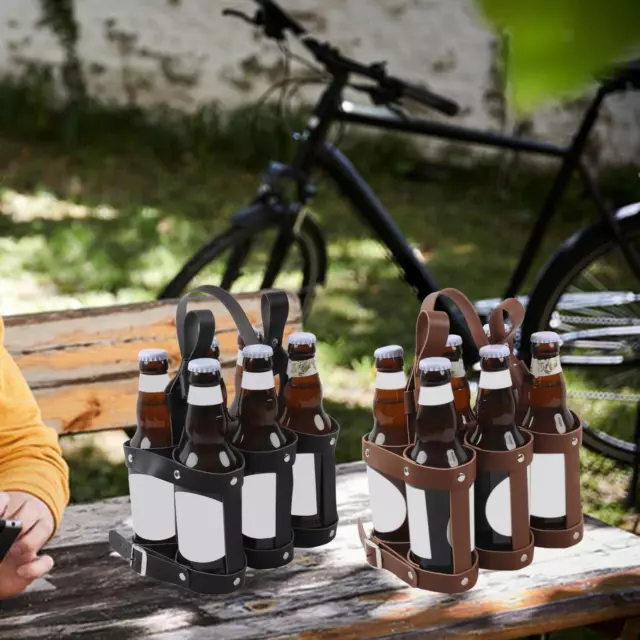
pixel 567 444
pixel 394 556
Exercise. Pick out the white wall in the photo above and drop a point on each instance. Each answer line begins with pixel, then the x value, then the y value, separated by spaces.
pixel 183 53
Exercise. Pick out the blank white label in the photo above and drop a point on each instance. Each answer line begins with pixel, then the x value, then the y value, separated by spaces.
pixel 388 506
pixel 498 508
pixel 152 507
pixel 304 502
pixel 153 383
pixel 418 523
pixel 548 485
pixel 390 380
pixel 258 381
pixel 434 396
pixel 494 379
pixel 200 527
pixel 259 506
pixel 204 396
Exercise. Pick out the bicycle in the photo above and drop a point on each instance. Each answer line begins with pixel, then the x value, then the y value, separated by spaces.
pixel 599 323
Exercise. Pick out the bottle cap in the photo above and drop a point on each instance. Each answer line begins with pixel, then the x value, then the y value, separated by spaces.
pixel 257 331
pixel 204 365
pixel 487 329
pixel 301 337
pixel 257 351
pixel 435 364
pixel 153 355
pixel 390 351
pixel 215 342
pixel 454 340
pixel 545 337
pixel 495 351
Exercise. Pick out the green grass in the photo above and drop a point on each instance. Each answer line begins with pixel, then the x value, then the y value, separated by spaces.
pixel 104 205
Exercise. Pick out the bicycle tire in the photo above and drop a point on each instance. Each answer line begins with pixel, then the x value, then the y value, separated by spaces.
pixel 313 262
pixel 575 256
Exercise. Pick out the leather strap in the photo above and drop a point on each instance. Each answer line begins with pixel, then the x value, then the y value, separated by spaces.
pixel 147 561
pixel 275 311
pixel 270 558
pixel 394 557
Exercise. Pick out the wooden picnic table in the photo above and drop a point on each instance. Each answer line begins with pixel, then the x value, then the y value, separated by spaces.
pixel 325 593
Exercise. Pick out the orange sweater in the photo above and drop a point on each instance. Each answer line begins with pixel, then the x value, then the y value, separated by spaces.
pixel 30 456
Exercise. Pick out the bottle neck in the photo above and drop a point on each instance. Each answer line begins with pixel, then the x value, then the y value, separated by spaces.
pixel 492 380
pixel 431 396
pixel 457 369
pixel 153 383
pixel 258 380
pixel 390 380
pixel 546 367
pixel 239 359
pixel 204 396
pixel 302 368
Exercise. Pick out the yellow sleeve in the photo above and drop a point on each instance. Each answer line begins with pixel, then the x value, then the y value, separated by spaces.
pixel 30 455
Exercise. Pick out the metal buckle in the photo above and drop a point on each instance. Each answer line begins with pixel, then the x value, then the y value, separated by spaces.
pixel 143 558
pixel 370 543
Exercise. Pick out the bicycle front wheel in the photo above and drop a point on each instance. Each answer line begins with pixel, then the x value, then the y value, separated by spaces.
pixel 239 260
pixel 590 297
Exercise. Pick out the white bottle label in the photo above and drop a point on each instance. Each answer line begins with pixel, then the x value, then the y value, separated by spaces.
pixel 433 396
pixel 240 358
pixel 498 508
pixel 388 505
pixel 259 506
pixel 457 369
pixel 301 368
pixel 495 379
pixel 304 501
pixel 204 396
pixel 387 380
pixel 548 485
pixel 200 523
pixel 153 384
pixel 152 507
pixel 253 381
pixel 418 522
pixel 545 367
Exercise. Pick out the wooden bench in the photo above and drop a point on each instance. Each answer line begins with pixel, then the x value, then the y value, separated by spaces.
pixel 82 366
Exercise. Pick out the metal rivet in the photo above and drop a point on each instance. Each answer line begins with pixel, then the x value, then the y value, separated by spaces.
pixel 461 477
pixel 523 557
pixel 234 481
pixel 464 582
pixel 574 442
pixel 130 457
pixel 287 458
pixel 520 457
pixel 576 535
pixel 236 582
pixel 366 453
pixel 274 342
pixel 285 555
pixel 182 577
pixel 406 471
pixel 176 474
pixel 410 574
pixel 332 441
pixel 332 533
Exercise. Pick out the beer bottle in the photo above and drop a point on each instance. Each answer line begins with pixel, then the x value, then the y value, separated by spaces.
pixel 152 412
pixel 214 353
pixel 304 413
pixel 200 519
pixel 437 445
pixel 258 430
pixel 152 506
pixel 459 383
pixel 495 431
pixel 388 497
pixel 548 413
pixel 237 379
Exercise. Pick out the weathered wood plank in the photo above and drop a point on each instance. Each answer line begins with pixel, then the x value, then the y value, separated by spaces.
pixel 324 593
pixel 82 364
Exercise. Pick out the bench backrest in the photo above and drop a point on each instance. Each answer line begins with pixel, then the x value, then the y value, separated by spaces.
pixel 82 365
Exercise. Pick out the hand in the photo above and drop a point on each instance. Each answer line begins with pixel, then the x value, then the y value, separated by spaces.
pixel 23 565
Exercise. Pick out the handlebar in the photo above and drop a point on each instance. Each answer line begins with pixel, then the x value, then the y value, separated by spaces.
pixel 275 23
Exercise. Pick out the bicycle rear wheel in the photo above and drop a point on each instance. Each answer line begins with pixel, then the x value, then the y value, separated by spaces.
pixel 238 259
pixel 589 296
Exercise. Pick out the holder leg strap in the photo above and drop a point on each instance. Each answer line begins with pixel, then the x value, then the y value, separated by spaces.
pixel 270 558
pixel 394 558
pixel 144 560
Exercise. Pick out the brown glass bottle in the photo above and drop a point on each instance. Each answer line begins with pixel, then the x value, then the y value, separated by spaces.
pixel 259 430
pixel 304 413
pixel 548 413
pixel 200 519
pixel 152 504
pixel 437 445
pixel 214 353
pixel 237 379
pixel 153 422
pixel 459 384
pixel 387 495
pixel 495 431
